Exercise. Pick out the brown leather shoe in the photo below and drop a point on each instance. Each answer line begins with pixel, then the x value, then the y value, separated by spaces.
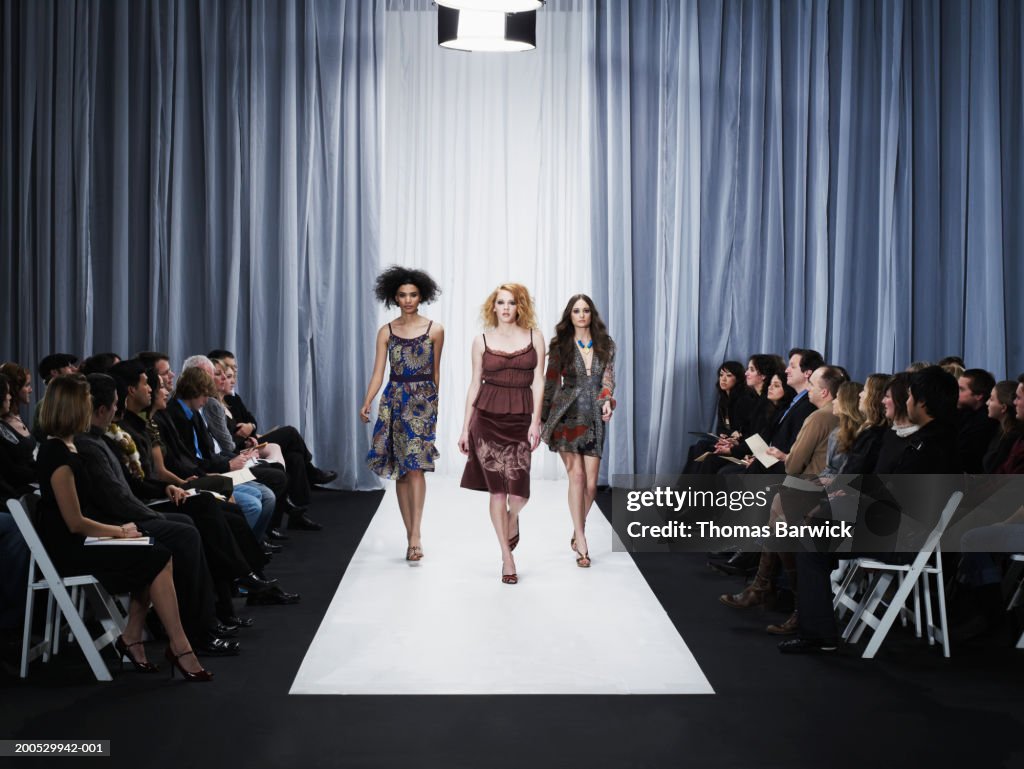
pixel 754 594
pixel 790 627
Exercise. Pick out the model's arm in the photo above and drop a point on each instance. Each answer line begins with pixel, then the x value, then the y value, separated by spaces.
pixel 552 378
pixel 538 392
pixel 437 337
pixel 608 388
pixel 477 357
pixel 378 373
pixel 63 484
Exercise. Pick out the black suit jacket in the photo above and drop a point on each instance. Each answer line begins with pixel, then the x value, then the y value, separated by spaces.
pixel 789 427
pixel 186 428
pixel 973 438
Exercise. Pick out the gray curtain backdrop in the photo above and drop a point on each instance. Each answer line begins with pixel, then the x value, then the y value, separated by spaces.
pixel 188 175
pixel 839 175
pixel 845 175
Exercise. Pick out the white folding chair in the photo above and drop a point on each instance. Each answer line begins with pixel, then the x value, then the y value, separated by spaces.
pixel 912 577
pixel 59 602
pixel 1017 599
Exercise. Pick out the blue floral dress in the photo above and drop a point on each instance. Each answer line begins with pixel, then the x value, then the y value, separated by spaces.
pixel 404 435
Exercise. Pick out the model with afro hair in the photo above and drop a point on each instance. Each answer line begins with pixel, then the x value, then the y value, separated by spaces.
pixel 402 446
pixel 394 277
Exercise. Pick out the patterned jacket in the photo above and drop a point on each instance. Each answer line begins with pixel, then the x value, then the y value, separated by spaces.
pixel 561 390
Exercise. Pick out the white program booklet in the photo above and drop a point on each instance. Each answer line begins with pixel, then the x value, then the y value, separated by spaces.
pixel 760 450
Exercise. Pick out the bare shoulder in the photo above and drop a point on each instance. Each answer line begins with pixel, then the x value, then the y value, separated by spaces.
pixel 436 330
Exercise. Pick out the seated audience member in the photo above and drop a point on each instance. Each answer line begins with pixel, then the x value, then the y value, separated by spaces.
pixel 917 365
pixel 802 364
pixel 20 384
pixel 100 363
pixel 190 451
pixel 863 454
pixel 952 360
pixel 49 367
pixel 114 502
pixel 17 446
pixel 1014 462
pixel 931 406
pixel 232 551
pixel 221 425
pixel 895 403
pixel 162 364
pixel 807 457
pixel 282 436
pixel 734 411
pixel 846 407
pixel 66 515
pixel 1001 409
pixel 976 430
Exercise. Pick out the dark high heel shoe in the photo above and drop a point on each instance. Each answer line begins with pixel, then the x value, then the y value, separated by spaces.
pixel 513 542
pixel 122 651
pixel 583 560
pixel 201 675
pixel 510 579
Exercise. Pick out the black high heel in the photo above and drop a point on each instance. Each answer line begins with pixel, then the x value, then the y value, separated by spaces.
pixel 201 675
pixel 122 651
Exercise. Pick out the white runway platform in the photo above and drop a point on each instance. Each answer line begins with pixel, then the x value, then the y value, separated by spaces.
pixel 448 625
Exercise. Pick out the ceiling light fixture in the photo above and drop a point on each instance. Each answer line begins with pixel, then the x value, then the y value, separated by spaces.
pixel 471 30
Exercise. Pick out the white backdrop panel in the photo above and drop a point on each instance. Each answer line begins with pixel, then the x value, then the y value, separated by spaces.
pixel 487 180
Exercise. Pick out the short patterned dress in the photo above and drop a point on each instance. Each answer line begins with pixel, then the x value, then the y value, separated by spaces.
pixel 499 444
pixel 404 435
pixel 573 400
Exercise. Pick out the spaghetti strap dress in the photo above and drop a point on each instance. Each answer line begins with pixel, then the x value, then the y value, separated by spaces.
pixel 499 444
pixel 405 432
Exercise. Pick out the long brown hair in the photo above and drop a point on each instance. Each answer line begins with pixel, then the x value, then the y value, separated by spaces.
pixel 874 410
pixel 850 418
pixel 562 342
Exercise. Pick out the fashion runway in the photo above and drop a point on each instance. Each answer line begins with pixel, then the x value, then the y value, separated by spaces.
pixel 449 626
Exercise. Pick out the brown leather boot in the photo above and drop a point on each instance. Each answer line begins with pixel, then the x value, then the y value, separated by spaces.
pixel 758 591
pixel 790 627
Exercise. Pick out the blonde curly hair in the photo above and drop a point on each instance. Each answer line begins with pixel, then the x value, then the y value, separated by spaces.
pixel 525 316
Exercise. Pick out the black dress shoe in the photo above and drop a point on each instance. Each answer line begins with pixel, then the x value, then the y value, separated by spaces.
pixel 304 522
pixel 319 477
pixel 224 630
pixel 217 647
pixel 275 596
pixel 293 509
pixel 276 534
pixel 270 548
pixel 254 583
pixel 237 621
pixel 808 646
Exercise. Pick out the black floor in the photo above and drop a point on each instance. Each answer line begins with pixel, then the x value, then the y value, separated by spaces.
pixel 907 708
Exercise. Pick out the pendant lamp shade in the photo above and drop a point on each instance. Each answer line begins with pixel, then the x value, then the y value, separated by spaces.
pixel 486 30
pixel 505 6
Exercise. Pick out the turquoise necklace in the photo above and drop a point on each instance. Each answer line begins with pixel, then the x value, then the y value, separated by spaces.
pixel 586 346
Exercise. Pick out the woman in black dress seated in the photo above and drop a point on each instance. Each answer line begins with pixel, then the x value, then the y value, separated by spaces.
pixel 63 523
pixel 735 408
